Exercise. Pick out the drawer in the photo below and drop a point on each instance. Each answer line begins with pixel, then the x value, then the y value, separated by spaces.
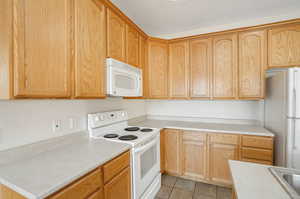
pixel 257 161
pixel 98 195
pixel 115 166
pixel 194 136
pixel 257 142
pixel 224 138
pixel 82 188
pixel 257 154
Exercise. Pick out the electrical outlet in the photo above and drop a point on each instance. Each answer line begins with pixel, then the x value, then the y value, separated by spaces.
pixel 56 125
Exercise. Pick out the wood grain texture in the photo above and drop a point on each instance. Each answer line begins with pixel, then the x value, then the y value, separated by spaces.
pixel 257 154
pixel 258 142
pixel 172 148
pixel 179 70
pixel 116 36
pixel 98 195
pixel 82 188
pixel 90 49
pixel 158 70
pixel 284 46
pixel 6 193
pixel 42 48
pixel 224 138
pixel 200 68
pixel 115 166
pixel 225 67
pixel 252 64
pixel 162 152
pixel 6 80
pixel 219 154
pixel 119 186
pixel 194 155
pixel 132 46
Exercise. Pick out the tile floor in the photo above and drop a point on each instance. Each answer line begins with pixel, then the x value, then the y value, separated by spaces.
pixel 178 188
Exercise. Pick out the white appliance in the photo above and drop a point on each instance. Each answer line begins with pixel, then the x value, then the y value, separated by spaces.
pixel 282 114
pixel 123 80
pixel 145 151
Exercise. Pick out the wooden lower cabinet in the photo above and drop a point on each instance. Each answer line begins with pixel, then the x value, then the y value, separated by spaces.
pixel 194 155
pixel 172 147
pixel 219 154
pixel 119 187
pixel 97 195
pixel 204 156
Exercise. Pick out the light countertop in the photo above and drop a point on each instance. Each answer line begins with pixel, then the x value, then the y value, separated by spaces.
pixel 255 181
pixel 208 127
pixel 43 173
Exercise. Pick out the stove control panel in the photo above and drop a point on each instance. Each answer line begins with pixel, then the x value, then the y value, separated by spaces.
pixel 96 120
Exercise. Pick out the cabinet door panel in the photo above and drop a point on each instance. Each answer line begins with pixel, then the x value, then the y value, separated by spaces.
pixel 201 66
pixel 219 154
pixel 158 70
pixel 172 151
pixel 252 64
pixel 132 46
pixel 119 187
pixel 284 46
pixel 42 48
pixel 179 70
pixel 90 49
pixel 194 159
pixel 116 29
pixel 225 67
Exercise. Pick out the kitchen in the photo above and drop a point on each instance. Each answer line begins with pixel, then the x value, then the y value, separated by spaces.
pixel 128 99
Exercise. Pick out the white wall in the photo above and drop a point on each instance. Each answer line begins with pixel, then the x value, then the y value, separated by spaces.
pixel 27 121
pixel 209 110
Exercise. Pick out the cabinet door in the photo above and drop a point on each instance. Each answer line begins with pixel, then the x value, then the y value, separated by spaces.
pixel 284 46
pixel 225 67
pixel 179 70
pixel 143 64
pixel 158 70
pixel 98 195
pixel 132 46
pixel 219 154
pixel 194 155
pixel 116 29
pixel 42 48
pixel 172 151
pixel 90 49
pixel 119 186
pixel 201 68
pixel 252 64
pixel 162 152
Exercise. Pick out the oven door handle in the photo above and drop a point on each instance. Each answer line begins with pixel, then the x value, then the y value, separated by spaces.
pixel 145 147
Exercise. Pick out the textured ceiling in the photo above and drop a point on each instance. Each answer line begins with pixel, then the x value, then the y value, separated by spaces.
pixel 160 17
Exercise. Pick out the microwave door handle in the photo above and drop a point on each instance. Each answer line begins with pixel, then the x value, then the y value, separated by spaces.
pixel 147 146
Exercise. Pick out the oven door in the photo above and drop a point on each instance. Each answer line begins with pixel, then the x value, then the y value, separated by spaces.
pixel 124 80
pixel 146 165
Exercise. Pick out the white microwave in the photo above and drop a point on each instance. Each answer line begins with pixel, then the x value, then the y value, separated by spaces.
pixel 123 80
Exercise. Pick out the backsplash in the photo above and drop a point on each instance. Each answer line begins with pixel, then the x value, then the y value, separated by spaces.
pixel 240 112
pixel 27 121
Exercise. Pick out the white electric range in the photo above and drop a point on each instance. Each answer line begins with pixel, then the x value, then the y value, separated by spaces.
pixel 145 152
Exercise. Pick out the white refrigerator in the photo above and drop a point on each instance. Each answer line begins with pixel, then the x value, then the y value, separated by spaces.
pixel 282 114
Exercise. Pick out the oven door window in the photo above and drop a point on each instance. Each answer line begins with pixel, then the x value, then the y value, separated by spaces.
pixel 148 160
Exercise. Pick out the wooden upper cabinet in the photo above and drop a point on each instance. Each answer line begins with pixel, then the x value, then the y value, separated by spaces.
pixel 90 49
pixel 143 64
pixel 172 149
pixel 225 67
pixel 200 68
pixel 157 69
pixel 42 48
pixel 116 35
pixel 252 64
pixel 284 46
pixel 132 46
pixel 179 69
pixel 194 155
